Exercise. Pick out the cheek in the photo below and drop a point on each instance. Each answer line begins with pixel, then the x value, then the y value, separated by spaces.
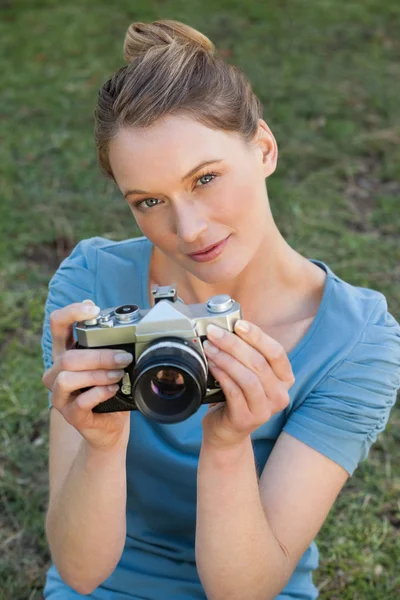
pixel 242 202
pixel 146 229
pixel 150 227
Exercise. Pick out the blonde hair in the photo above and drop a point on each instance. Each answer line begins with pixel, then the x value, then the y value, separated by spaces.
pixel 172 69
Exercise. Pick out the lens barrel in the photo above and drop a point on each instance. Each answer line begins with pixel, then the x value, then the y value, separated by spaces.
pixel 169 381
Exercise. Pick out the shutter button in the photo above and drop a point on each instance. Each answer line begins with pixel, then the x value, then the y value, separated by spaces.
pixel 219 303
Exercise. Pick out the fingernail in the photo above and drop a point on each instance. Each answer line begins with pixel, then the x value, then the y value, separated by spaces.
pixel 242 326
pixel 88 301
pixel 90 309
pixel 215 332
pixel 113 388
pixel 123 358
pixel 115 374
pixel 209 348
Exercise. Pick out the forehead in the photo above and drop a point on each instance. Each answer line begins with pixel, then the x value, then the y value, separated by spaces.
pixel 175 142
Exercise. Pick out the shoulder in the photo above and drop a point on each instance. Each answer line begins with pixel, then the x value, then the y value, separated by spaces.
pixel 352 315
pixel 352 303
pixel 372 352
pixel 95 259
pixel 105 271
pixel 90 251
pixel 355 366
pixel 98 269
pixel 371 360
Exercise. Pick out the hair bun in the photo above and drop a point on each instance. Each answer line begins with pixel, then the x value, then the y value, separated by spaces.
pixel 140 37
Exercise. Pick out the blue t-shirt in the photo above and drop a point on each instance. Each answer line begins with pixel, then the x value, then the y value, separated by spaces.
pixel 347 369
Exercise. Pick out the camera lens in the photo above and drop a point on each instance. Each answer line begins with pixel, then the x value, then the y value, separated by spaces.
pixel 169 380
pixel 168 384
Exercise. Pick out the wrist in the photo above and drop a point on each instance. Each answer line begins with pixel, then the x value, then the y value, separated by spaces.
pixel 227 453
pixel 109 444
pixel 110 453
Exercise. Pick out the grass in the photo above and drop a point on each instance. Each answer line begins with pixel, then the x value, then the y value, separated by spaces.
pixel 328 75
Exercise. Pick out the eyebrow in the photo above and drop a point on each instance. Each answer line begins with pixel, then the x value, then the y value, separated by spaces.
pixel 191 172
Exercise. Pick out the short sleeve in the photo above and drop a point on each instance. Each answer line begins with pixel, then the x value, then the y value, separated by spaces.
pixel 343 416
pixel 72 282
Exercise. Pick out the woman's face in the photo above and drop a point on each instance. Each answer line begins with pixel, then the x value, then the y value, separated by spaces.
pixel 182 209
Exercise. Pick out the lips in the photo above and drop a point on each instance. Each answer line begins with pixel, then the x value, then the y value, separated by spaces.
pixel 210 253
pixel 206 249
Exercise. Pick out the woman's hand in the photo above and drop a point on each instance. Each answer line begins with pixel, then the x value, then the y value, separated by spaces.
pixel 255 375
pixel 76 369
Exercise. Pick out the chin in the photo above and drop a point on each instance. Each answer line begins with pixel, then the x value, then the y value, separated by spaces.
pixel 218 273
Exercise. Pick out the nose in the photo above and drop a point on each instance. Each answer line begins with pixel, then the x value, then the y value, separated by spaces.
pixel 190 223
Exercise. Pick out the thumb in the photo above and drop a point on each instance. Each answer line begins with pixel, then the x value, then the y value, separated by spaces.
pixel 62 321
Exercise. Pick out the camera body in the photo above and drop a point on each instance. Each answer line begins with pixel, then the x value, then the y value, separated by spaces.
pixel 168 379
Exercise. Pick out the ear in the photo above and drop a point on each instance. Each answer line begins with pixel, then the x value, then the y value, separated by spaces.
pixel 267 147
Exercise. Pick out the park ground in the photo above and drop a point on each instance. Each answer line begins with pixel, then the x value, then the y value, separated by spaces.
pixel 328 74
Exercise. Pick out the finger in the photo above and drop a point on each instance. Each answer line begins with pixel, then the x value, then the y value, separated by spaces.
pixel 270 349
pixel 251 371
pixel 247 381
pixel 68 382
pixel 246 354
pixel 216 406
pixel 86 360
pixel 62 320
pixel 68 385
pixel 76 412
pixel 263 398
pixel 232 345
pixel 237 408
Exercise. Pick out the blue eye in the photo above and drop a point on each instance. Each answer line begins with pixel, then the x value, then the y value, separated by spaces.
pixel 207 175
pixel 139 204
pixel 150 200
pixel 148 203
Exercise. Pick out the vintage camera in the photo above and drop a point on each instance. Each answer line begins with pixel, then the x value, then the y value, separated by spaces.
pixel 169 378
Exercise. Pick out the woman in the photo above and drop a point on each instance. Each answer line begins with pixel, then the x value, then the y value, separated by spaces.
pixel 227 503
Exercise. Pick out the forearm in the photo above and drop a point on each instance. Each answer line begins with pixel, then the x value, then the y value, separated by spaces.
pixel 86 521
pixel 237 555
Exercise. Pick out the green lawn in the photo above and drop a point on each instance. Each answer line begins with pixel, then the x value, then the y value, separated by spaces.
pixel 328 73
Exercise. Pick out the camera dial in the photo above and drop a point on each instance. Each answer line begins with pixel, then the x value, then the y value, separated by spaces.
pixel 219 303
pixel 127 313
